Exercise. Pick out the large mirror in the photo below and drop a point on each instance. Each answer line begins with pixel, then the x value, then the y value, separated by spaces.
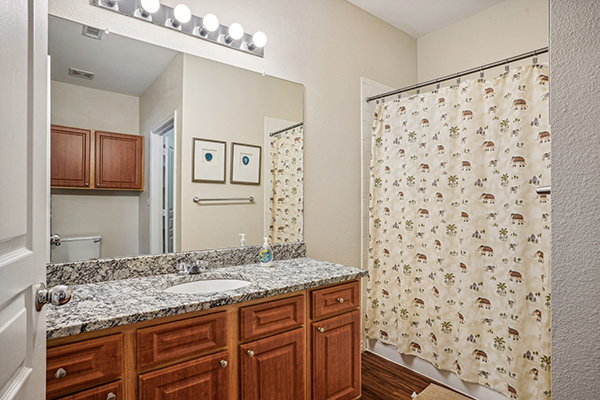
pixel 156 151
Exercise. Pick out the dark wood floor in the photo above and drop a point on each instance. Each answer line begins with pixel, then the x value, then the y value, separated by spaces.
pixel 385 380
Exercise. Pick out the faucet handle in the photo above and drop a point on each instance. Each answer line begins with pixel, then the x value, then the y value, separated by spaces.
pixel 182 268
pixel 198 266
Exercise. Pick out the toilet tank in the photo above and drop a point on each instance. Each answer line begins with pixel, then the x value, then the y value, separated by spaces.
pixel 76 248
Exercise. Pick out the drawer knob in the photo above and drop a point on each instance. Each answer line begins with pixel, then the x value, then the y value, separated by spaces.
pixel 322 330
pixel 60 373
pixel 340 300
pixel 111 396
pixel 250 353
pixel 223 363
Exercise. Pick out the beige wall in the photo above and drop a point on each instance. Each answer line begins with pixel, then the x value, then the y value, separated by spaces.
pixel 159 102
pixel 113 215
pixel 505 30
pixel 574 103
pixel 226 103
pixel 325 45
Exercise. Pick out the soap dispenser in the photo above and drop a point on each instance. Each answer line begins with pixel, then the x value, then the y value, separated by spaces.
pixel 243 239
pixel 265 256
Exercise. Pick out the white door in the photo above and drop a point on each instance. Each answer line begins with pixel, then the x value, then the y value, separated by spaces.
pixel 24 236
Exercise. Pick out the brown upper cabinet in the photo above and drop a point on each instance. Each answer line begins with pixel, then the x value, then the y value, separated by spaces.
pixel 117 162
pixel 70 157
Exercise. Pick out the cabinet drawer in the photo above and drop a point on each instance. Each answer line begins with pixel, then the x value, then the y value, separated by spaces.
pixel 274 316
pixel 204 378
pixel 177 340
pixel 335 299
pixel 83 364
pixel 112 391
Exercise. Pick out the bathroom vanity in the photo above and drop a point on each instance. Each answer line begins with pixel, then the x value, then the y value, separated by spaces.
pixel 293 333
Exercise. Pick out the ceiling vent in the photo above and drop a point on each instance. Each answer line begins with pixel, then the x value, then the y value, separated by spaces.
pixel 78 73
pixel 91 32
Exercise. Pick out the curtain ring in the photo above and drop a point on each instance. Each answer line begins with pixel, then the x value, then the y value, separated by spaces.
pixel 507 67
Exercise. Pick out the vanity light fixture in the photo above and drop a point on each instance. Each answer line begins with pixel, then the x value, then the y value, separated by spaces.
pixel 181 15
pixel 235 32
pixel 210 23
pixel 180 18
pixel 259 39
pixel 148 7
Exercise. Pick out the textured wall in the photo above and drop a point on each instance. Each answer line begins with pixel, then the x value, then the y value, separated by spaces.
pixel 325 45
pixel 505 30
pixel 574 102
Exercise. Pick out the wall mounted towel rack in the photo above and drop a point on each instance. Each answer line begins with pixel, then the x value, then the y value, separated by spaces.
pixel 250 199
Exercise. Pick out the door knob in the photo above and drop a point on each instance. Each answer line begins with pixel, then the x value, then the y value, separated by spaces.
pixel 250 353
pixel 223 363
pixel 322 330
pixel 57 296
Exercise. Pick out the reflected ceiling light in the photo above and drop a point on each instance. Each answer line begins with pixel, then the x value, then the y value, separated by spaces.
pixel 147 8
pixel 259 39
pixel 181 15
pixel 210 23
pixel 235 33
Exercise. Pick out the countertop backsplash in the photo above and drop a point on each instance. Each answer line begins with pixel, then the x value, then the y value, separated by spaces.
pixel 112 269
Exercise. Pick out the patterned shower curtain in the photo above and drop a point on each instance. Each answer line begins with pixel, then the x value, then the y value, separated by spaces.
pixel 459 239
pixel 286 205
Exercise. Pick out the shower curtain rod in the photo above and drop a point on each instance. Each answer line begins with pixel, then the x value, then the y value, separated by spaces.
pixel 459 74
pixel 286 129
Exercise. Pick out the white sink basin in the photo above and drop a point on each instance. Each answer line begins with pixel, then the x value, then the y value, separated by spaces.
pixel 208 286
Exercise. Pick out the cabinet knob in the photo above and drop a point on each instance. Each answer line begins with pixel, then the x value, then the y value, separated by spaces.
pixel 322 330
pixel 250 353
pixel 87 184
pixel 97 185
pixel 111 396
pixel 60 373
pixel 340 300
pixel 223 363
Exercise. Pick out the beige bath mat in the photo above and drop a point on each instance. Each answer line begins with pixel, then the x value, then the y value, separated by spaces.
pixel 435 392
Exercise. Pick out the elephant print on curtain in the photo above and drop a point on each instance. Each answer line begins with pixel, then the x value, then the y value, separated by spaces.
pixel 459 269
pixel 286 205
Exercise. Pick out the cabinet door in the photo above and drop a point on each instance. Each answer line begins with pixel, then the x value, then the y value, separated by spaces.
pixel 119 161
pixel 274 368
pixel 206 378
pixel 336 357
pixel 69 157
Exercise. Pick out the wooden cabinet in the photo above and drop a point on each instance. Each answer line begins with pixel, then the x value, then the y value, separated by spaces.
pixel 81 158
pixel 83 364
pixel 274 368
pixel 70 157
pixel 336 357
pixel 181 339
pixel 119 161
pixel 111 391
pixel 206 378
pixel 264 349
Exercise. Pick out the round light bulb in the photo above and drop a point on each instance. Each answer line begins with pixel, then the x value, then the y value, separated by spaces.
pixel 182 13
pixel 210 22
pixel 150 6
pixel 236 31
pixel 259 39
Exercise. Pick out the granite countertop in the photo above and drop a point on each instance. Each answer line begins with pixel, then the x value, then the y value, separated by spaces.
pixel 101 305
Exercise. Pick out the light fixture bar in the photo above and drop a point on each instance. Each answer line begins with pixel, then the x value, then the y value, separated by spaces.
pixel 193 27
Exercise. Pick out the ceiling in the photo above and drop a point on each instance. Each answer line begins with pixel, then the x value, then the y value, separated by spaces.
pixel 121 64
pixel 420 17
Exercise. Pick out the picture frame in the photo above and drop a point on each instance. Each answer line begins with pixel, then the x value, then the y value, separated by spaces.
pixel 208 160
pixel 246 163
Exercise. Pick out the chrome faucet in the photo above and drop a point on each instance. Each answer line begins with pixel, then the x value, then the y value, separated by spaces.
pixel 196 267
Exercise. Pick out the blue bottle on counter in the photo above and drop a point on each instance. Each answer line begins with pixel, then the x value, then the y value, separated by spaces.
pixel 265 257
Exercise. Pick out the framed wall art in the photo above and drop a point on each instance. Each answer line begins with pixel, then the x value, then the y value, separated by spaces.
pixel 208 161
pixel 245 164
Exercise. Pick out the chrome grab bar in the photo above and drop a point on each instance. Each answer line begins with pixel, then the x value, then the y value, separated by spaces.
pixel 250 199
pixel 543 190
